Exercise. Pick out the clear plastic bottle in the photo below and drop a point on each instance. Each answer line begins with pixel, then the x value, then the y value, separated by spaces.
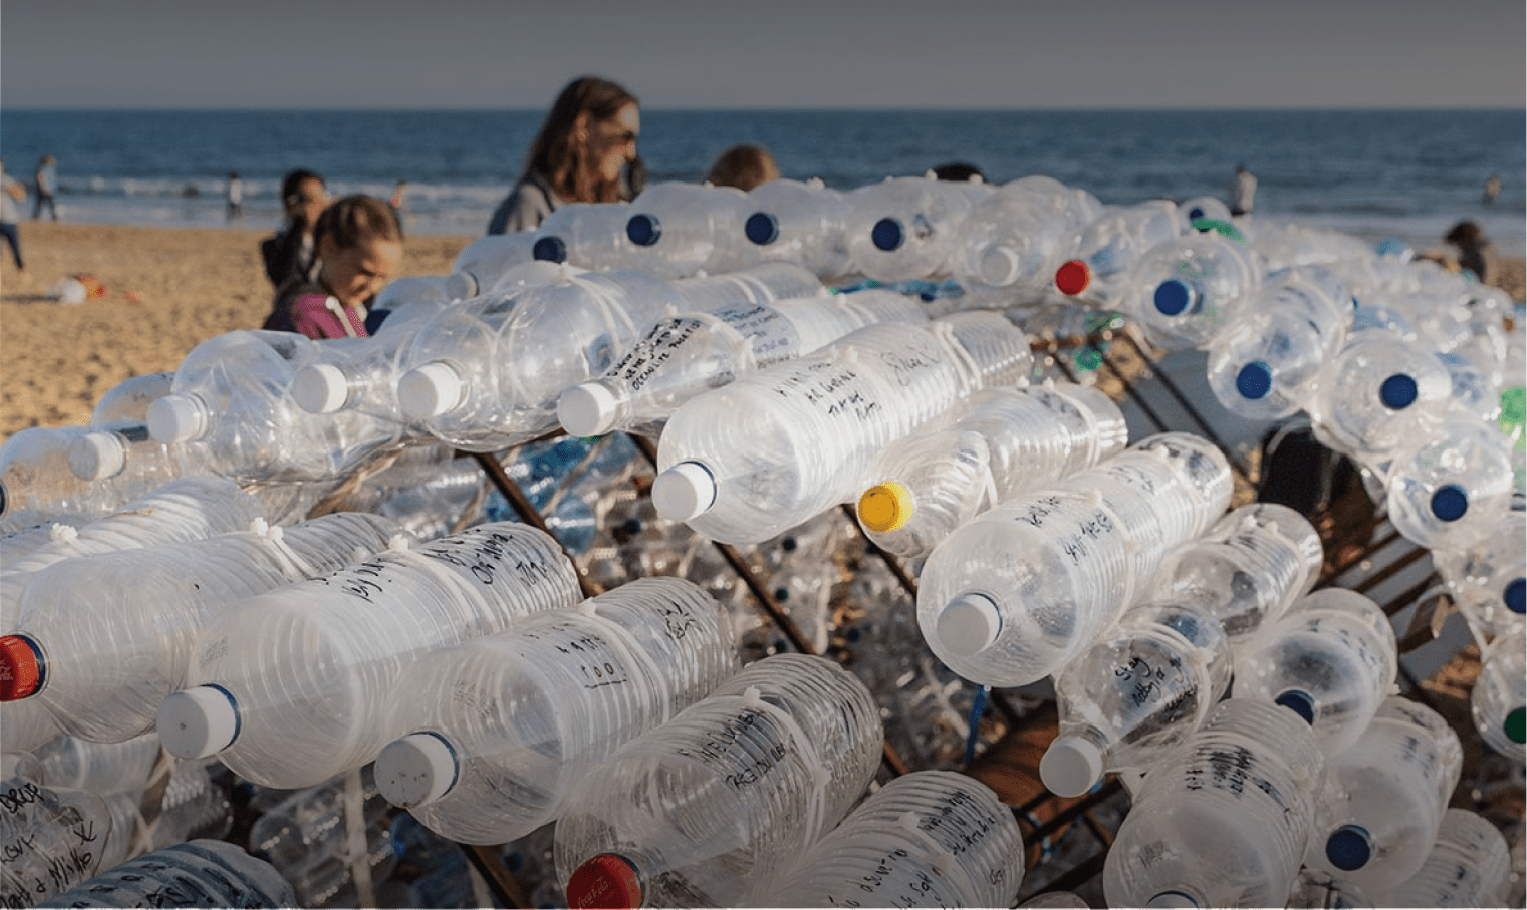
pixel 586 235
pixel 1389 790
pixel 1012 596
pixel 199 873
pixel 760 283
pixel 1142 689
pixel 53 837
pixel 684 355
pixel 1498 700
pixel 718 802
pixel 1104 249
pixel 192 806
pixel 928 485
pixel 1268 362
pixel 1199 208
pixel 1014 238
pixel 230 392
pixel 486 374
pixel 788 220
pixel 482 264
pixel 311 838
pixel 36 483
pixel 676 229
pixel 1379 392
pixel 1223 822
pixel 1469 866
pixel 1185 290
pixel 512 723
pixel 126 456
pixel 760 455
pixel 1248 569
pixel 1330 659
pixel 129 399
pixel 316 697
pixel 109 636
pixel 103 768
pixel 1453 487
pixel 1488 579
pixel 1317 891
pixel 925 839
pixel 908 227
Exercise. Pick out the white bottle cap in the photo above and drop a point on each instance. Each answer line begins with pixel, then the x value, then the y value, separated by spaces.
pixel 684 492
pixel 969 624
pixel 320 388
pixel 175 418
pixel 416 770
pixel 198 722
pixel 999 266
pixel 1071 766
pixel 430 390
pixel 96 455
pixel 587 409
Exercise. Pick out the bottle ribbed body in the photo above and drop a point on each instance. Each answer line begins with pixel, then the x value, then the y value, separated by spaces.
pixel 528 713
pixel 199 873
pixel 312 666
pixel 118 629
pixel 1453 487
pixel 788 220
pixel 676 229
pixel 1469 866
pixel 586 235
pixel 1380 392
pixel 1268 362
pixel 1498 700
pixel 929 838
pixel 907 227
pixel 104 768
pixel 1186 290
pixel 723 798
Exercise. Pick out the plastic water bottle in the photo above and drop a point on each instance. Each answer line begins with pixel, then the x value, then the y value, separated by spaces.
pixel 192 806
pixel 1267 363
pixel 761 283
pixel 1499 698
pixel 676 229
pixel 129 399
pixel 1390 790
pixel 1199 208
pixel 200 873
pixel 486 374
pixel 127 456
pixel 587 235
pixel 760 455
pixel 317 837
pixel 316 697
pixel 1246 570
pixel 36 483
pixel 797 221
pixel 23 542
pixel 231 393
pixel 1488 579
pixel 928 485
pixel 1014 238
pixel 481 264
pixel 1318 891
pixel 1330 660
pixel 1224 821
pixel 1012 596
pixel 108 637
pixel 103 768
pixel 53 839
pixel 513 723
pixel 1185 290
pixel 1379 392
pixel 1453 487
pixel 1142 689
pixel 908 227
pixel 683 355
pixel 926 839
pixel 1469 866
pixel 1103 251
pixel 720 801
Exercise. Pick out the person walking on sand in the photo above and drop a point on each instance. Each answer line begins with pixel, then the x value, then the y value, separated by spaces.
pixel 1492 189
pixel 235 196
pixel 1243 191
pixel 584 152
pixel 44 184
pixel 11 194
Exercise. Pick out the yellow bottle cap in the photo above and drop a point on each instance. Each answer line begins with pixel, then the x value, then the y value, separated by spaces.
pixel 885 507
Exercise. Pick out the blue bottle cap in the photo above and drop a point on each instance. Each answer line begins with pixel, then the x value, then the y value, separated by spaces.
pixel 549 249
pixel 1398 391
pixel 1254 380
pixel 1195 213
pixel 1172 297
pixel 886 234
pixel 761 228
pixel 1298 702
pixel 1349 847
pixel 1450 503
pixel 1515 595
pixel 643 230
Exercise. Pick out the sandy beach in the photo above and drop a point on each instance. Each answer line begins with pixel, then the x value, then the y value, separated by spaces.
pixel 162 291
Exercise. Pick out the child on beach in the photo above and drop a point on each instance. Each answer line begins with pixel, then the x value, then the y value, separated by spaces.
pixel 289 252
pixel 743 166
pixel 359 244
pixel 580 155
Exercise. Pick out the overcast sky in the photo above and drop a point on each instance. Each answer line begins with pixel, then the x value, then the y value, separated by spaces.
pixel 765 53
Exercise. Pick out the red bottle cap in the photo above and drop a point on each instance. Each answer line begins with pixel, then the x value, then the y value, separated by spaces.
pixel 606 880
pixel 20 667
pixel 1073 277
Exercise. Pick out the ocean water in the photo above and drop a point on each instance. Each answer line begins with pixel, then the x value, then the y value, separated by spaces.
pixel 1374 173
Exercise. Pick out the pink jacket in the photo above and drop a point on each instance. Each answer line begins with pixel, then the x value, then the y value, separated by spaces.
pixel 321 316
